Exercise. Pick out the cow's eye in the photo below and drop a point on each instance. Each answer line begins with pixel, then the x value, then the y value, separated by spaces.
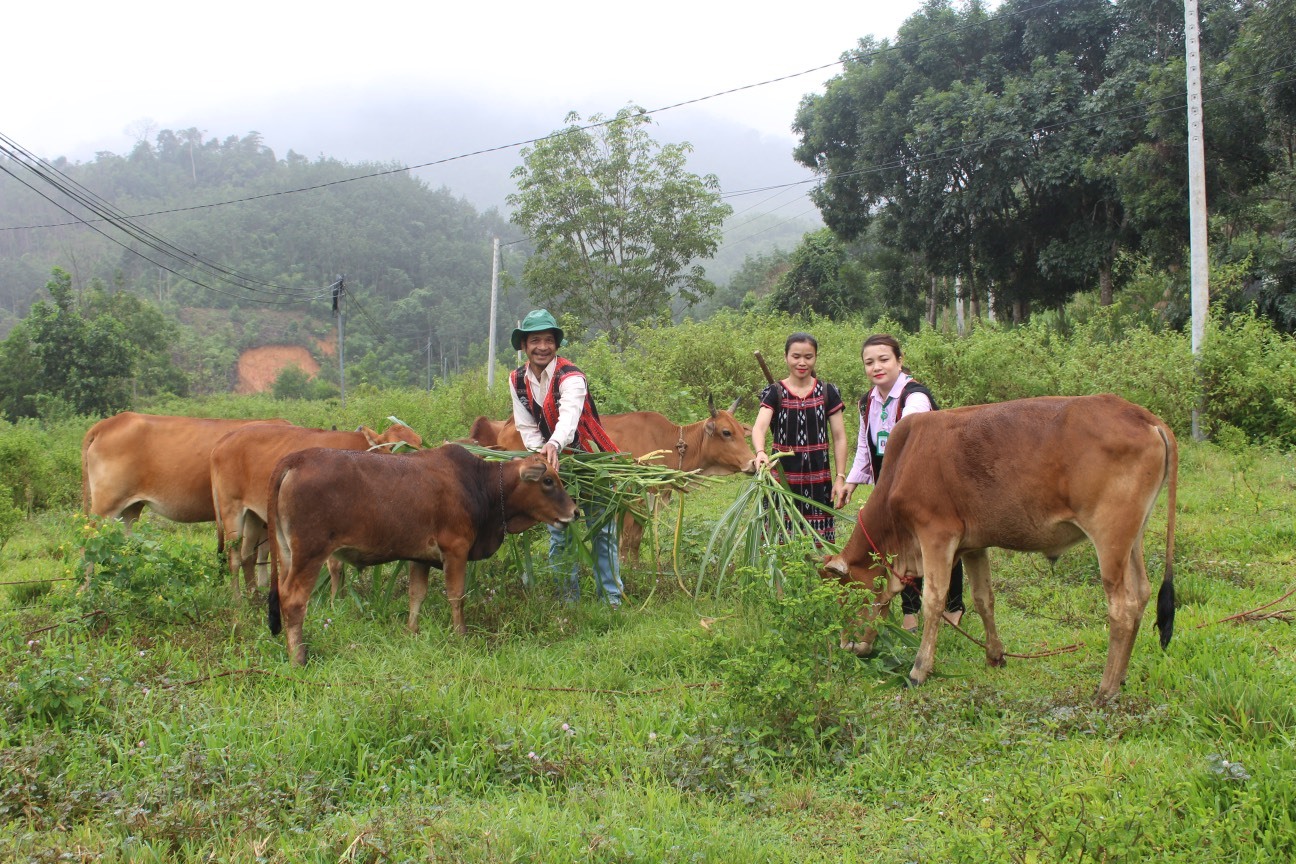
pixel 728 434
pixel 548 481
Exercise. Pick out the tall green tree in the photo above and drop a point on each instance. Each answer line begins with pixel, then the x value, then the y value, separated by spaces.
pixel 57 362
pixel 617 220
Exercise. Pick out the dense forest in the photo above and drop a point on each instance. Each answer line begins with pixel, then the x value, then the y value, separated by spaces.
pixel 1024 159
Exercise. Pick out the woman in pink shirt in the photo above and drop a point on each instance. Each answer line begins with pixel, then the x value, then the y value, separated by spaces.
pixel 894 394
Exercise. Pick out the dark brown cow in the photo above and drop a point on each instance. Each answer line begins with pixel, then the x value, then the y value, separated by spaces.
pixel 1034 475
pixel 442 508
pixel 712 447
pixel 241 465
pixel 131 460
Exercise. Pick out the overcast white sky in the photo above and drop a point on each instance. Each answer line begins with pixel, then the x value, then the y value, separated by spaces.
pixel 88 76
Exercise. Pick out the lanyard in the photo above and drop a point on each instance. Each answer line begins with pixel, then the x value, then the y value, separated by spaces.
pixel 885 404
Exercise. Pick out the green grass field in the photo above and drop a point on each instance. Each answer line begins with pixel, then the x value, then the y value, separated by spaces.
pixel 155 719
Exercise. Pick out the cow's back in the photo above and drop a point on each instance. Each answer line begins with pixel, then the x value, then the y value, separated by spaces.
pixel 1022 474
pixel 131 460
pixel 640 432
pixel 243 460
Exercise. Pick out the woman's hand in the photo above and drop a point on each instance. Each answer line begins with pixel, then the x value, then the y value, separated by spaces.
pixel 842 492
pixel 762 460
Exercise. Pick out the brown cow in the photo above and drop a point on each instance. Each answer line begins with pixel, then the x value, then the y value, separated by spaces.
pixel 1034 475
pixel 500 434
pixel 131 460
pixel 713 447
pixel 442 507
pixel 241 465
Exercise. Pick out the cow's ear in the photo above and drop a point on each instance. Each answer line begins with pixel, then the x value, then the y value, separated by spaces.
pixel 370 436
pixel 710 427
pixel 534 470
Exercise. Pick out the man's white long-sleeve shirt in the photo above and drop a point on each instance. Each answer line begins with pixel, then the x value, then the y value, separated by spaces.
pixel 571 402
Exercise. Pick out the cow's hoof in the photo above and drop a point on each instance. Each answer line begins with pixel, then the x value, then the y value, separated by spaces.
pixel 997 662
pixel 912 682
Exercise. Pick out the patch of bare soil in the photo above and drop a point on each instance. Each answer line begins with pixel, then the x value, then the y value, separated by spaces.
pixel 259 367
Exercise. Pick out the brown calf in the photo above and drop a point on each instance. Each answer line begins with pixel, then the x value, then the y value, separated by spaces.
pixel 435 508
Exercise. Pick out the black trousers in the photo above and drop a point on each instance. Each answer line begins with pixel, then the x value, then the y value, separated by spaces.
pixel 911 596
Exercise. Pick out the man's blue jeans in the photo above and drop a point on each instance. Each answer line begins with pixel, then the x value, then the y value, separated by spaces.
pixel 607 566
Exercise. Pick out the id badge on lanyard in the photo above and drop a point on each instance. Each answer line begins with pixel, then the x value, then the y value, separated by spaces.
pixel 883 434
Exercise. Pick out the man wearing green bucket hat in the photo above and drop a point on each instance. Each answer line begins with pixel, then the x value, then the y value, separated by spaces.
pixel 553 412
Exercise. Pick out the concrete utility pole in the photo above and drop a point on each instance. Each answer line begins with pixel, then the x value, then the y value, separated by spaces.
pixel 339 289
pixel 1198 240
pixel 490 341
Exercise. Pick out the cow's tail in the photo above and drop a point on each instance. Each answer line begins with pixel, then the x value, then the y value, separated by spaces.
pixel 1165 597
pixel 273 618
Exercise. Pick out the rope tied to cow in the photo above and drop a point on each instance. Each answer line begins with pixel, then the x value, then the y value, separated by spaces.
pixel 911 579
pixel 681 447
pixel 503 514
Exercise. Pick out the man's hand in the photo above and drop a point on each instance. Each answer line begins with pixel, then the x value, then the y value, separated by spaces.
pixel 550 454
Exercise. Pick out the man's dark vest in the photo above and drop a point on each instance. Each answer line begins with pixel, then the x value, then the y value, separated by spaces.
pixel 590 434
pixel 905 392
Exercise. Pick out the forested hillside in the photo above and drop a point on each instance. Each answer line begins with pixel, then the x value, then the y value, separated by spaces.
pixel 416 261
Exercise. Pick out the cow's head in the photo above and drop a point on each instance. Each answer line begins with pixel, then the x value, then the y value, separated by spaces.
pixel 871 572
pixel 397 433
pixel 539 496
pixel 724 449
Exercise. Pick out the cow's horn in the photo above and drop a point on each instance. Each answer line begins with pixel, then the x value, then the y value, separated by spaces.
pixel 734 406
pixel 711 404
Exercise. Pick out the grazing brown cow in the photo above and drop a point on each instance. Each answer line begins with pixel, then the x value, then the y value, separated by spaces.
pixel 1034 475
pixel 131 460
pixel 241 465
pixel 713 447
pixel 442 508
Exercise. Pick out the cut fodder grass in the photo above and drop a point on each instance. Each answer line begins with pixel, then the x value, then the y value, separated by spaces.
pixel 762 518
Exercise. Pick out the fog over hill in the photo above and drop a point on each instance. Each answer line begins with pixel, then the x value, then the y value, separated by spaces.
pixel 417 130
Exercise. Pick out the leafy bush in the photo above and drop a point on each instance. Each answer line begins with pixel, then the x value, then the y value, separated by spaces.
pixel 1248 368
pixel 137 575
pixel 790 682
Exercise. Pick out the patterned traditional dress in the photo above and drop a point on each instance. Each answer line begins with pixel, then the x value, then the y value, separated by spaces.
pixel 800 427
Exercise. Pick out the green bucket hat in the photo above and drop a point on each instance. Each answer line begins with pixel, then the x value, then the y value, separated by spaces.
pixel 536 321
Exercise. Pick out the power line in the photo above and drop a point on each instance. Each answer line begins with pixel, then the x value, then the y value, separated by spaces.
pixel 886 48
pixel 108 213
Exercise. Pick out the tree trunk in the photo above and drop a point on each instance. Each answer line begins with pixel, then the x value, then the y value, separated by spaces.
pixel 931 303
pixel 958 303
pixel 1105 284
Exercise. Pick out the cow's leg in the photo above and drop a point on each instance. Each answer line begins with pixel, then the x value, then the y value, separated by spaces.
pixel 1125 581
pixel 631 539
pixel 976 566
pixel 938 560
pixel 336 577
pixel 455 569
pixel 295 589
pixel 418 588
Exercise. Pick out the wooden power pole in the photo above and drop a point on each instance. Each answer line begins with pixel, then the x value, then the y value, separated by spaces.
pixel 339 290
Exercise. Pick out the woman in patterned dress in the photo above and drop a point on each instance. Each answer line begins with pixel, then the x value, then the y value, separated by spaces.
pixel 803 412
